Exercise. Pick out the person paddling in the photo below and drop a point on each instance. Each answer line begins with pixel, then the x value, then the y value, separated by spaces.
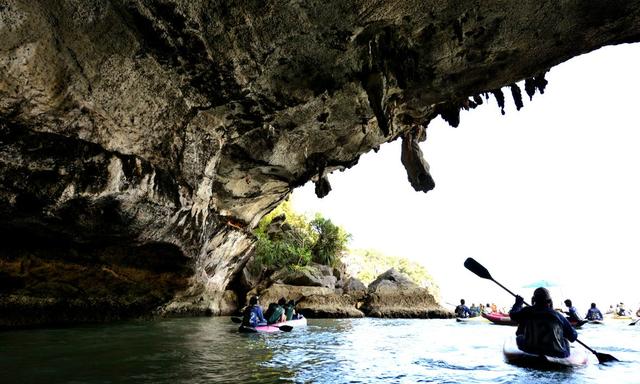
pixel 594 313
pixel 290 311
pixel 541 330
pixel 277 315
pixel 252 316
pixel 462 310
pixel 571 312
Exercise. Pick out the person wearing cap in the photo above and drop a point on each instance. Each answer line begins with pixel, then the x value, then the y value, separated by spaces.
pixel 594 313
pixel 541 330
pixel 252 316
pixel 572 312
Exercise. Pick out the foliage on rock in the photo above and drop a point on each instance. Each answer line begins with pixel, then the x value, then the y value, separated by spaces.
pixel 288 239
pixel 368 264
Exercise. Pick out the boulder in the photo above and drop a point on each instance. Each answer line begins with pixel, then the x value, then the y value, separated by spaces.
pixel 290 292
pixel 329 306
pixel 393 295
pixel 355 288
pixel 310 276
pixel 311 301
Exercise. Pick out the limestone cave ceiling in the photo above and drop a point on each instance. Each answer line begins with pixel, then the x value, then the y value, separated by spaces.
pixel 154 134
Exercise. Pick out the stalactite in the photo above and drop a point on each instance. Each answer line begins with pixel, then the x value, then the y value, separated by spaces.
pixel 449 113
pixel 540 82
pixel 499 98
pixel 530 87
pixel 478 99
pixel 517 96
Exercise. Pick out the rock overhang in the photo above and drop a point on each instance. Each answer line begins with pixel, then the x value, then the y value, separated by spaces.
pixel 164 130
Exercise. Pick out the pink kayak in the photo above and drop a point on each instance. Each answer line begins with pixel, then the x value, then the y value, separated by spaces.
pixel 499 318
pixel 277 327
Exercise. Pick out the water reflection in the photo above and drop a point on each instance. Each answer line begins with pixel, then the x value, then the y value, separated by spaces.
pixel 327 351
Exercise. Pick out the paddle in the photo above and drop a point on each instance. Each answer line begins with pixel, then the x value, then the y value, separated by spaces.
pixel 283 328
pixel 634 322
pixel 482 272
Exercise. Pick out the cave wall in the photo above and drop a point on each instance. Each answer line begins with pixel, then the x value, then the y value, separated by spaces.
pixel 140 141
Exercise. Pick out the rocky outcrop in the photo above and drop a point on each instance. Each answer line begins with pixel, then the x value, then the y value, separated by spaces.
pixel 142 140
pixel 393 295
pixel 355 288
pixel 310 276
pixel 329 306
pixel 313 289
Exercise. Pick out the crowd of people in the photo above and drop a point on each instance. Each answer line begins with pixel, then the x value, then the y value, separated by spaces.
pixel 475 310
pixel 593 313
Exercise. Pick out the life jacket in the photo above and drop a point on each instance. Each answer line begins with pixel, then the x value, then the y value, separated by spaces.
pixel 594 314
pixel 275 315
pixel 542 334
pixel 250 317
pixel 289 312
pixel 270 310
pixel 461 311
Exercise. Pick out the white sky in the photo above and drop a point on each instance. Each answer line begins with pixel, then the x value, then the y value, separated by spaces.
pixel 549 192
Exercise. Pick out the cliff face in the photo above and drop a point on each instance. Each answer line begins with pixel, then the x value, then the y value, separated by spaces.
pixel 141 140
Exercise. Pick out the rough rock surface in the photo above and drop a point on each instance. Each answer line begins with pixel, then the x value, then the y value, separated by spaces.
pixel 140 141
pixel 355 288
pixel 393 295
pixel 329 306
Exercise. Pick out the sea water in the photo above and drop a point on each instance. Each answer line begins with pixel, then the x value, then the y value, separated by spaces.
pixel 210 350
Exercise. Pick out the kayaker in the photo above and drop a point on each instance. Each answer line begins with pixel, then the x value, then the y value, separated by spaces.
pixel 252 316
pixel 462 310
pixel 571 312
pixel 594 313
pixel 541 330
pixel 620 311
pixel 278 315
pixel 475 311
pixel 289 310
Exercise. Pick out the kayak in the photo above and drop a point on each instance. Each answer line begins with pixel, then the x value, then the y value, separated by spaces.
pixel 302 322
pixel 578 324
pixel 513 355
pixel 475 319
pixel 499 318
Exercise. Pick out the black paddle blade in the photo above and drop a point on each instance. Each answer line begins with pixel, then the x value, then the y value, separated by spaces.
pixel 477 268
pixel 285 328
pixel 236 320
pixel 605 358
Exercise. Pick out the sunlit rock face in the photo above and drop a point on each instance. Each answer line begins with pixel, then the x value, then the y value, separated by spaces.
pixel 140 141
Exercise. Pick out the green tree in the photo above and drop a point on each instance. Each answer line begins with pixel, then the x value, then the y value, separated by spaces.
pixel 331 241
pixel 297 242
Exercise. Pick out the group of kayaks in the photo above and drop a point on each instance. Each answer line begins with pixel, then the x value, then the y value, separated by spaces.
pixel 505 319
